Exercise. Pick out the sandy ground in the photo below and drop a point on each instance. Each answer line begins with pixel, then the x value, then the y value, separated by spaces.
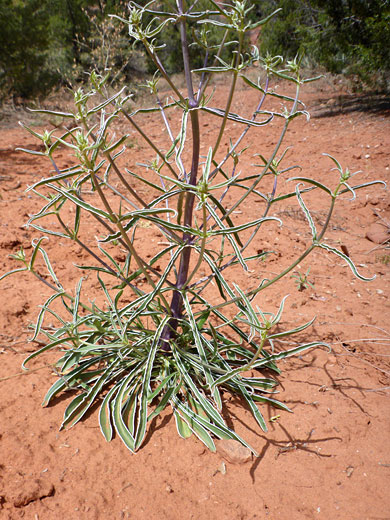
pixel 327 460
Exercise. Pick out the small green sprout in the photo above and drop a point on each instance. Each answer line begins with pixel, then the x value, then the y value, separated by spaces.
pixel 302 280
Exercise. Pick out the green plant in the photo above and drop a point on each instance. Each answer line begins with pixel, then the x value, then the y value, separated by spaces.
pixel 302 280
pixel 347 38
pixel 175 341
pixel 383 259
pixel 37 47
pixel 104 47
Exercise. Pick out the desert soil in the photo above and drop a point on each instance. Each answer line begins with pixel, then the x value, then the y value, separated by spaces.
pixel 329 459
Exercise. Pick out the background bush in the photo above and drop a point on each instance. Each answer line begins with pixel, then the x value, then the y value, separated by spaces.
pixel 38 44
pixel 50 43
pixel 345 37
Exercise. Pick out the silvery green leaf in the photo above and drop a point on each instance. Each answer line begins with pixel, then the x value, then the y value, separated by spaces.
pixel 264 20
pixel 311 181
pixel 348 260
pixel 181 141
pixel 42 312
pixel 364 185
pixel 338 165
pixel 105 414
pixel 88 207
pixel 50 268
pixel 230 235
pixel 291 331
pixel 182 427
pixel 52 113
pixel 242 227
pixel 31 152
pixel 77 412
pixel 145 388
pixel 115 145
pixel 60 341
pixel 145 181
pixel 65 381
pixel 19 270
pixel 255 411
pixel 282 75
pixel 315 78
pixel 306 212
pixel 217 23
pixel 291 352
pixel 48 231
pixel 102 105
pixel 235 117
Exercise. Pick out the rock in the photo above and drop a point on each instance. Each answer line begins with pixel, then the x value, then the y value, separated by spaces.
pixel 32 490
pixel 233 451
pixel 378 233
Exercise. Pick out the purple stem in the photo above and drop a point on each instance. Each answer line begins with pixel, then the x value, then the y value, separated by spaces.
pixel 182 275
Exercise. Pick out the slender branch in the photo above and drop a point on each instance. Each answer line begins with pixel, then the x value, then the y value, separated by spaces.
pixel 202 247
pixel 123 180
pixel 231 94
pixel 265 169
pixel 167 126
pixel 325 227
pixel 150 143
pixel 58 290
pixel 159 65
pixel 96 257
pixel 186 57
pixel 253 118
pixel 123 233
pixel 202 87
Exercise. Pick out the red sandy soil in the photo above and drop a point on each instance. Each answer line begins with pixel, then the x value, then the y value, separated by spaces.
pixel 327 460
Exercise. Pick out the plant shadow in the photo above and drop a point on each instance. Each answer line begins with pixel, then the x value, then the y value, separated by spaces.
pixel 291 443
pixel 371 102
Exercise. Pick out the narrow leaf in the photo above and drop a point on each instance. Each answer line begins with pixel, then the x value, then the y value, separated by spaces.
pixel 105 414
pixel 306 212
pixel 348 260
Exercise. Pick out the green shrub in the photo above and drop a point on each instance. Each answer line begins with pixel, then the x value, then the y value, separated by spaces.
pixel 349 38
pixel 172 342
pixel 37 47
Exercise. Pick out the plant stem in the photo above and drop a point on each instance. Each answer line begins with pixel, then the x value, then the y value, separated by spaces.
pixel 233 148
pixel 160 67
pixel 278 144
pixel 202 247
pixel 231 94
pixel 124 235
pixel 182 275
pixel 205 80
pixel 95 256
pixel 123 180
pixel 150 143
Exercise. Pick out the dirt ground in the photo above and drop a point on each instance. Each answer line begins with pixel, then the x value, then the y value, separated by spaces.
pixel 327 460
